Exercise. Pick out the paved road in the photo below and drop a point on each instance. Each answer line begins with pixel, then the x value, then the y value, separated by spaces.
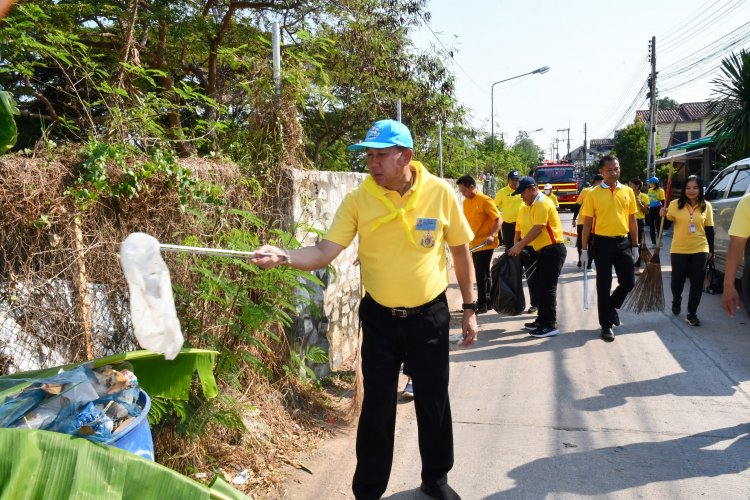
pixel 663 412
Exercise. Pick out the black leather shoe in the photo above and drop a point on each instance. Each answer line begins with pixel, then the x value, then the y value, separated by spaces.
pixel 533 325
pixel 615 318
pixel 608 335
pixel 481 309
pixel 439 491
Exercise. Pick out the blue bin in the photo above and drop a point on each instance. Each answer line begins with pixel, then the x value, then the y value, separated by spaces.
pixel 136 437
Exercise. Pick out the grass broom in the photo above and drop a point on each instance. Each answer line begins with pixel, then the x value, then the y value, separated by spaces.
pixel 358 391
pixel 648 293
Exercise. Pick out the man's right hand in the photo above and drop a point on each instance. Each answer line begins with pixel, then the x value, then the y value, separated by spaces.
pixel 584 258
pixel 268 257
pixel 731 299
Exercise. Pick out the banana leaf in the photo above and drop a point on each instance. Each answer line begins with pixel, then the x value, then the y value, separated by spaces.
pixel 40 464
pixel 157 376
pixel 8 130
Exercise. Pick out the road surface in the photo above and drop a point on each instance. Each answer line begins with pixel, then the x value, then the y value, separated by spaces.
pixel 662 412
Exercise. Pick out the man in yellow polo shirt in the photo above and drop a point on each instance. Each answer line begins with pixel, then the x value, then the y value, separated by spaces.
pixel 404 216
pixel 508 205
pixel 484 219
pixel 739 232
pixel 609 214
pixel 539 225
pixel 576 209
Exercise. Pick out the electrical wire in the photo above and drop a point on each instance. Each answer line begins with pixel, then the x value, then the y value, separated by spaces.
pixel 703 25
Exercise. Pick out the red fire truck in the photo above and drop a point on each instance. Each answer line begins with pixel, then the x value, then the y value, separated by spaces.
pixel 564 181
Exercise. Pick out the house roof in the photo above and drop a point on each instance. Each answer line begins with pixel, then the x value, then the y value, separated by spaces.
pixel 687 112
pixel 602 143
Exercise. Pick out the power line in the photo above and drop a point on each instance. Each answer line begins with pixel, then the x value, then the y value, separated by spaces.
pixel 715 17
pixel 449 53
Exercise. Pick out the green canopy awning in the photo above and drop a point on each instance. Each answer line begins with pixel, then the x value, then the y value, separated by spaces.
pixel 696 143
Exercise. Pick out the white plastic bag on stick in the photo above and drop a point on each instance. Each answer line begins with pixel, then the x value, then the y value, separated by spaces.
pixel 152 307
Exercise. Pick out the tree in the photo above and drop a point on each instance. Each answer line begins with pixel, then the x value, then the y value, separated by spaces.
pixel 667 103
pixel 730 104
pixel 527 151
pixel 631 147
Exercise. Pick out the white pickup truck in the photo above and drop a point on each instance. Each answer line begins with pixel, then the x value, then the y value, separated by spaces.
pixel 724 193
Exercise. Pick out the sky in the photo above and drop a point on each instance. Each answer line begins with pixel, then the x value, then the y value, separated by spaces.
pixel 597 53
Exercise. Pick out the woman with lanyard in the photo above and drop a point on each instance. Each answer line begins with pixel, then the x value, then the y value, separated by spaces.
pixel 692 245
pixel 656 199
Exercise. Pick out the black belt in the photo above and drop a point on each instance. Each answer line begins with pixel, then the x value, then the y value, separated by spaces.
pixel 405 312
pixel 611 237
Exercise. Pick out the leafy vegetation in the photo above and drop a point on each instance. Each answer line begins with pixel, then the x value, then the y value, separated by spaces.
pixel 631 147
pixel 730 104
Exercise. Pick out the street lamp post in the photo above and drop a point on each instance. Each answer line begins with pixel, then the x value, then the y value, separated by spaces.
pixel 541 71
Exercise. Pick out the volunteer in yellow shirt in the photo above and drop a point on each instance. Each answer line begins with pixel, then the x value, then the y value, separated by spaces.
pixel 539 225
pixel 484 219
pixel 508 205
pixel 641 203
pixel 739 232
pixel 403 217
pixel 597 179
pixel 656 199
pixel 692 245
pixel 549 194
pixel 609 214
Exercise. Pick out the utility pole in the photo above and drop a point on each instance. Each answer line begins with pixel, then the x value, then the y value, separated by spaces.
pixel 398 110
pixel 650 165
pixel 585 154
pixel 276 50
pixel 440 147
pixel 560 140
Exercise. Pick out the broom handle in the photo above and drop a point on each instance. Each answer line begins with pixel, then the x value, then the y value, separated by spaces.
pixel 666 202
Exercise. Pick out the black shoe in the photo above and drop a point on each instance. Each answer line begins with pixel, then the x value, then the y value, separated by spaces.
pixel 615 318
pixel 588 268
pixel 545 331
pixel 580 264
pixel 692 320
pixel 481 309
pixel 608 335
pixel 533 325
pixel 532 310
pixel 439 491
pixel 675 307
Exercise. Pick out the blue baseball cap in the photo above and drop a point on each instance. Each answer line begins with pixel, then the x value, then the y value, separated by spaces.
pixel 653 180
pixel 384 134
pixel 524 184
pixel 513 174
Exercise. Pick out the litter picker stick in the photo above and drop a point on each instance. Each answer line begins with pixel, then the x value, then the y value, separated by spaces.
pixel 216 252
pixel 477 247
pixel 585 288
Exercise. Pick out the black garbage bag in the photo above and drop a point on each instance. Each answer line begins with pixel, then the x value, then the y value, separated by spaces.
pixel 506 294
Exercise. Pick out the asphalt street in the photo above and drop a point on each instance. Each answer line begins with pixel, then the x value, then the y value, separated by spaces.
pixel 662 412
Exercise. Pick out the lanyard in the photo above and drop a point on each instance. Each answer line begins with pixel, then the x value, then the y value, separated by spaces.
pixel 690 211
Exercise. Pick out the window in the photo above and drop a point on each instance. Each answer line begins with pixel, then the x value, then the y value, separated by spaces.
pixel 741 183
pixel 695 134
pixel 679 138
pixel 720 186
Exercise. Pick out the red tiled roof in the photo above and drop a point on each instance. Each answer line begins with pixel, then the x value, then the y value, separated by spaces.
pixel 687 112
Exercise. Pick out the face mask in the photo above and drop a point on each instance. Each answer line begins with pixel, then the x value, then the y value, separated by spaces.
pixel 547 191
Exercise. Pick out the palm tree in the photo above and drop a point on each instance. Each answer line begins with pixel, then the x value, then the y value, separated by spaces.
pixel 731 104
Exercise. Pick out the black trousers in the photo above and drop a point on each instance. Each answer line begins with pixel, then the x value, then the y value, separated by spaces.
pixel 531 269
pixel 609 253
pixel 549 262
pixel 509 233
pixel 692 266
pixel 653 223
pixel 482 260
pixel 421 343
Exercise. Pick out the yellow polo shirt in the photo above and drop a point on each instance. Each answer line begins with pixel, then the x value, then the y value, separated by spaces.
pixel 582 195
pixel 552 197
pixel 542 212
pixel 403 261
pixel 507 204
pixel 481 213
pixel 656 197
pixel 644 199
pixel 683 241
pixel 740 226
pixel 610 210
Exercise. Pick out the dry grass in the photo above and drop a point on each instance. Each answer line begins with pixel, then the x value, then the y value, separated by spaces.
pixel 648 293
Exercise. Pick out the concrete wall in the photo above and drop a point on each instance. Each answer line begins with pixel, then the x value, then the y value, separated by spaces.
pixel 331 321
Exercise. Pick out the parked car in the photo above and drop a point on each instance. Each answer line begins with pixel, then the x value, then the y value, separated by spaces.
pixel 724 192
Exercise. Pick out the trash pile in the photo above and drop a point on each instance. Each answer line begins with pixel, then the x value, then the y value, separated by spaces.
pixel 94 404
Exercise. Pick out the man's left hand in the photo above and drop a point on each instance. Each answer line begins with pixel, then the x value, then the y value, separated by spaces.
pixel 515 250
pixel 469 327
pixel 489 240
